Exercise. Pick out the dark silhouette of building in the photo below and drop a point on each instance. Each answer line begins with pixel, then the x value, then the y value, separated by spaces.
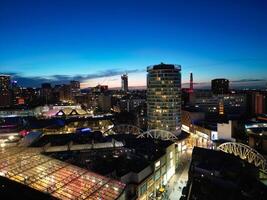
pixel 220 86
pixel 46 92
pixel 218 175
pixel 191 89
pixel 5 95
pixel 124 82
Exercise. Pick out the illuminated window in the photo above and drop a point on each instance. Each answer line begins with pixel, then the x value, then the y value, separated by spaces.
pixel 157 164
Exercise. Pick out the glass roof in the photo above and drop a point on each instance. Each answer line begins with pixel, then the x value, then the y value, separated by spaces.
pixel 59 179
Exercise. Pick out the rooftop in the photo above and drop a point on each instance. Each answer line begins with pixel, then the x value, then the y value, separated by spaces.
pixel 64 139
pixel 164 66
pixel 56 178
pixel 136 155
pixel 218 175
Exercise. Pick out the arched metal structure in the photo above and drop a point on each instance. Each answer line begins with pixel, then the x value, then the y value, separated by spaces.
pixel 245 153
pixel 158 134
pixel 124 129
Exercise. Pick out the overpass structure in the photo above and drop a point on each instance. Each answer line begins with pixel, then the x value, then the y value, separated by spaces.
pixel 139 133
pixel 245 153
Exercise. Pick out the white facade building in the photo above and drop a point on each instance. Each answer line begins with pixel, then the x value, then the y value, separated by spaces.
pixel 164 97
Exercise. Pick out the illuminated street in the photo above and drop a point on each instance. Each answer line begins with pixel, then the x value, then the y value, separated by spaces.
pixel 178 181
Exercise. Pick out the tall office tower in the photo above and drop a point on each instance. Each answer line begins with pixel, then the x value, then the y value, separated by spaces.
pixel 191 89
pixel 220 86
pixel 164 97
pixel 124 82
pixel 5 96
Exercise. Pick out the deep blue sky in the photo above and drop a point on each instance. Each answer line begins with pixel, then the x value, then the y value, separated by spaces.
pixel 81 39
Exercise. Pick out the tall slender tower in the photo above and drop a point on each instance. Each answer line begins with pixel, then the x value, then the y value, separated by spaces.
pixel 191 89
pixel 124 82
pixel 164 97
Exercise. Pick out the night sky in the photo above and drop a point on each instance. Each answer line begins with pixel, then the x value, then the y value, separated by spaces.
pixel 96 41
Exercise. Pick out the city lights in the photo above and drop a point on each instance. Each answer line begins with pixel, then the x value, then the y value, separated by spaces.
pixel 133 100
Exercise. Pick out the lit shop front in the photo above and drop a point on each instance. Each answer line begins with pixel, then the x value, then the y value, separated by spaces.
pixel 199 136
pixel 202 139
pixel 153 187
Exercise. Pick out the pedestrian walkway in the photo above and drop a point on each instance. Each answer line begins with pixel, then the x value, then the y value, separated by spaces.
pixel 179 180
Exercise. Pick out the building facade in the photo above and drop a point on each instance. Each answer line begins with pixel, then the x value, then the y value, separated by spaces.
pixel 163 169
pixel 164 97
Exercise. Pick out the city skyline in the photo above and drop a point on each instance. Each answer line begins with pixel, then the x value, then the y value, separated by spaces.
pixel 96 42
pixel 133 99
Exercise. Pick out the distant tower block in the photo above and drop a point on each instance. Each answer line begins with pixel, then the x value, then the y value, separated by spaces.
pixel 220 86
pixel 124 82
pixel 191 89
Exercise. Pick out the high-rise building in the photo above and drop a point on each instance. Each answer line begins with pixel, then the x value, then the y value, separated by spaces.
pixel 124 82
pixel 220 86
pixel 5 95
pixel 164 97
pixel 191 89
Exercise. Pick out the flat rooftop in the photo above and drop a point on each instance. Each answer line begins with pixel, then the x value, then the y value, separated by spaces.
pixel 218 175
pixel 64 139
pixel 136 155
pixel 164 66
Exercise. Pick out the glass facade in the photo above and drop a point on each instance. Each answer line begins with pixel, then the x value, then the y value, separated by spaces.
pixel 164 97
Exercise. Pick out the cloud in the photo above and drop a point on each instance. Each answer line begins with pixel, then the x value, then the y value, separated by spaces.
pixel 36 81
pixel 249 83
pixel 234 84
pixel 109 76
pixel 247 80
